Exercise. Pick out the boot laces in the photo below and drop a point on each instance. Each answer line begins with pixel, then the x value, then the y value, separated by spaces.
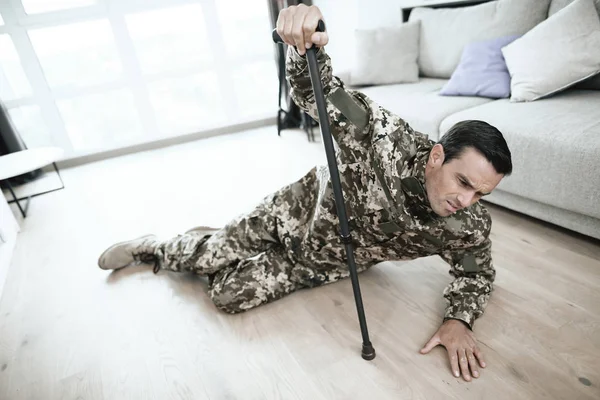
pixel 142 255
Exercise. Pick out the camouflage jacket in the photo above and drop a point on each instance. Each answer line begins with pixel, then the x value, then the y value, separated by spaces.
pixel 381 161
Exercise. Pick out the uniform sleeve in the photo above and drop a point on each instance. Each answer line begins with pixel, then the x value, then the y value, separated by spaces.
pixel 349 115
pixel 471 266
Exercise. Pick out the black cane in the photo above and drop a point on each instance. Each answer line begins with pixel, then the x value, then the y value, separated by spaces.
pixel 368 352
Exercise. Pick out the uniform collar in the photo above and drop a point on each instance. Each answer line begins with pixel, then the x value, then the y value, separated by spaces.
pixel 413 185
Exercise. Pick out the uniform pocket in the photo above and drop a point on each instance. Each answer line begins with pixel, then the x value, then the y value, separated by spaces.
pixel 366 204
pixel 363 195
pixel 366 208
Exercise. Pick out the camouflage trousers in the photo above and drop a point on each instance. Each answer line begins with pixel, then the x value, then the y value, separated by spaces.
pixel 254 259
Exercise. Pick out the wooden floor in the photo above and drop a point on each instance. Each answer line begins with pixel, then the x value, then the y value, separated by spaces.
pixel 71 331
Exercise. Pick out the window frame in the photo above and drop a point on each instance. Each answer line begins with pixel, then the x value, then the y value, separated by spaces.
pixel 17 23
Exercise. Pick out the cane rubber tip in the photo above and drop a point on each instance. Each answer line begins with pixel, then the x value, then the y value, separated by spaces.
pixel 368 352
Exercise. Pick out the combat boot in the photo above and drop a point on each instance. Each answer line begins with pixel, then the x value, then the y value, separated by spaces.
pixel 122 254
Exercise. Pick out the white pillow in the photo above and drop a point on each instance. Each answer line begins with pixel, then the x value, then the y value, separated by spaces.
pixel 386 55
pixel 556 54
pixel 594 82
pixel 446 31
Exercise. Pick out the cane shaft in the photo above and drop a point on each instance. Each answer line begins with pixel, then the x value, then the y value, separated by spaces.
pixel 368 351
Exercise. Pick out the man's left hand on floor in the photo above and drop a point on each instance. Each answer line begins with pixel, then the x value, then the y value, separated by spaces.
pixel 463 352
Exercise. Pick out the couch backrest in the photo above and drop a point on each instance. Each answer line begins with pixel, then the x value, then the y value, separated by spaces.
pixel 446 31
pixel 557 5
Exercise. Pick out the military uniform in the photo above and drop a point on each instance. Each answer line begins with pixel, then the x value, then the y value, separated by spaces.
pixel 291 239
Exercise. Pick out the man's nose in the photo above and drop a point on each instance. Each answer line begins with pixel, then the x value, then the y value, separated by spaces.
pixel 465 198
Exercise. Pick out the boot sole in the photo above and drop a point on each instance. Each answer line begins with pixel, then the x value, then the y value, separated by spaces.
pixel 101 258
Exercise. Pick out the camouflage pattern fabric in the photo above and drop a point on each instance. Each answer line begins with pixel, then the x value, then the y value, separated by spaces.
pixel 291 239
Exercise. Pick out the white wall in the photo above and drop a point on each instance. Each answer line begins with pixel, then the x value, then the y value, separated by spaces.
pixel 377 13
pixel 340 19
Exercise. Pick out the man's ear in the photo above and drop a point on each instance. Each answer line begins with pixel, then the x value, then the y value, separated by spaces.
pixel 436 156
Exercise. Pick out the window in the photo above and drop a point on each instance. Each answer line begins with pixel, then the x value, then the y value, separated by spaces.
pixel 256 86
pixel 42 6
pixel 172 39
pixel 92 75
pixel 13 81
pixel 106 117
pixel 242 20
pixel 186 104
pixel 31 126
pixel 79 54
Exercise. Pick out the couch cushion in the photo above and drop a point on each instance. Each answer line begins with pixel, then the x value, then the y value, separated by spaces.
pixel 386 55
pixel 555 145
pixel 446 31
pixel 420 104
pixel 557 5
pixel 482 71
pixel 556 54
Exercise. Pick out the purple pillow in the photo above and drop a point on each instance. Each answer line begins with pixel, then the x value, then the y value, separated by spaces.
pixel 482 71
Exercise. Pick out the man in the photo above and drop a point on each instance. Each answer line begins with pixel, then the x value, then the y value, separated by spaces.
pixel 406 196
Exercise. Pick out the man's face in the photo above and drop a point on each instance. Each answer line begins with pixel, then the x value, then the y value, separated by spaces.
pixel 459 183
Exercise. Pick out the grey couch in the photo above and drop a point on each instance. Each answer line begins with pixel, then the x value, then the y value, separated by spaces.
pixel 555 141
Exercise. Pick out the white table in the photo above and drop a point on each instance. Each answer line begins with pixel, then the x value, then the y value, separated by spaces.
pixel 21 162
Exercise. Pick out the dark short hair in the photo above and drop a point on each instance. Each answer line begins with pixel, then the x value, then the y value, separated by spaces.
pixel 481 136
